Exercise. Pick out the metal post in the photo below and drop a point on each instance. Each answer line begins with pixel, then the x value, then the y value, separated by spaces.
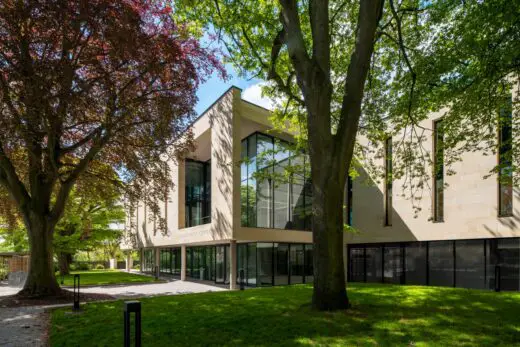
pixel 156 272
pixel 242 279
pixel 76 293
pixel 132 306
pixel 62 278
pixel 497 278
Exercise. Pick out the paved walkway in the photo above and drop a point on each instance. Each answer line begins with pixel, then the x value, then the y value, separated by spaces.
pixel 6 290
pixel 172 287
pixel 23 326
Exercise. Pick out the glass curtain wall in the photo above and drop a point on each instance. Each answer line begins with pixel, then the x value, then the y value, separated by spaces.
pixel 275 187
pixel 171 261
pixel 148 260
pixel 460 263
pixel 198 193
pixel 200 262
pixel 268 264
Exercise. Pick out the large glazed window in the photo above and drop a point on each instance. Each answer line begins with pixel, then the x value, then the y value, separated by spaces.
pixel 459 263
pixel 438 172
pixel 505 162
pixel 198 193
pixel 275 185
pixel 388 182
pixel 148 263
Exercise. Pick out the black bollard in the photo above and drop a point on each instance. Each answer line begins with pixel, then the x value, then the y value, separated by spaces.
pixel 497 278
pixel 132 306
pixel 156 272
pixel 76 293
pixel 242 279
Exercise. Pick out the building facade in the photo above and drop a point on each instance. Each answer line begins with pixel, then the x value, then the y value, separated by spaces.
pixel 237 214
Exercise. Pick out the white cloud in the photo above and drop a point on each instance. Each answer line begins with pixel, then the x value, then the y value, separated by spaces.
pixel 253 94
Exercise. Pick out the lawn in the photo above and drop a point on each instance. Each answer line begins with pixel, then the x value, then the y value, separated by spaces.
pixel 101 277
pixel 381 315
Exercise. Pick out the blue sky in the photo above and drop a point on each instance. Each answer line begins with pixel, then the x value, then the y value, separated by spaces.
pixel 215 87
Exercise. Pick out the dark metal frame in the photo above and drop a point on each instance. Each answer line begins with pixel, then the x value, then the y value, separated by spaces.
pixel 403 245
pixel 305 264
pixel 435 210
pixel 206 210
pixel 388 181
pixel 306 223
pixel 500 158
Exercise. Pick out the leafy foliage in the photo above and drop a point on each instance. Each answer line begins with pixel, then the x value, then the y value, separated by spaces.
pixel 81 81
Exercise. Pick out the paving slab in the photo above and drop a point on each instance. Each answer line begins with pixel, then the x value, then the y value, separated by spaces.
pixel 172 287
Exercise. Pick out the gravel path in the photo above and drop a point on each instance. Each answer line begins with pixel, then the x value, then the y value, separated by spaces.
pixel 23 326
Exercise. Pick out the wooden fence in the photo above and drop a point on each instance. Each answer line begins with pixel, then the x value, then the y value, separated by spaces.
pixel 18 263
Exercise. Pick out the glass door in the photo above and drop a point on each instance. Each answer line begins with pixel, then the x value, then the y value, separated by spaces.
pixel 220 264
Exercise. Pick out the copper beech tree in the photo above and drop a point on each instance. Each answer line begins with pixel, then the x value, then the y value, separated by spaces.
pixel 84 80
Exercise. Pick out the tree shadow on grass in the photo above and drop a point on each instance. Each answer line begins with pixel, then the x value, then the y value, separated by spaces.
pixel 381 315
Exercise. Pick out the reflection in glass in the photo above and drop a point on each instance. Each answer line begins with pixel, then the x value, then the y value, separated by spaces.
pixel 505 161
pixel 265 263
pixel 275 187
pixel 438 198
pixel 297 263
pixel 440 259
pixel 198 193
pixel 282 264
pixel 469 261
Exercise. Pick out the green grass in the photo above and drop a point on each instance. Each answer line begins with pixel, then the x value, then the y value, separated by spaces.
pixel 101 277
pixel 382 315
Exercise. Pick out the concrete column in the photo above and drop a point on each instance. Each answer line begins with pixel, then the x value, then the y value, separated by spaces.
pixel 112 263
pixel 183 263
pixel 129 261
pixel 232 265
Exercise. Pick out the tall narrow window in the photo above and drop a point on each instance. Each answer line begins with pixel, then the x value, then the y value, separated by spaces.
pixel 505 161
pixel 438 172
pixel 388 182
pixel 198 193
pixel 349 201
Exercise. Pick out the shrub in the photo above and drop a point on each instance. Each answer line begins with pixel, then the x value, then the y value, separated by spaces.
pixel 136 267
pixel 100 267
pixel 3 271
pixel 80 267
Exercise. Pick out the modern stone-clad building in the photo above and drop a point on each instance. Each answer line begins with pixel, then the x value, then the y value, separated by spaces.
pixel 224 219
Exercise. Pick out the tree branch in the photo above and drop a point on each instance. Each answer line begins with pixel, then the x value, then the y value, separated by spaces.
pixel 370 13
pixel 294 40
pixel 273 74
pixel 319 18
pixel 9 179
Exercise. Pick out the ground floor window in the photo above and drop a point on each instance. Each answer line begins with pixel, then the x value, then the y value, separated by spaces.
pixel 170 261
pixel 479 264
pixel 209 263
pixel 272 263
pixel 148 263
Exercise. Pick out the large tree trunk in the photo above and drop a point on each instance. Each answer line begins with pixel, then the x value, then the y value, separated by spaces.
pixel 327 227
pixel 64 260
pixel 41 281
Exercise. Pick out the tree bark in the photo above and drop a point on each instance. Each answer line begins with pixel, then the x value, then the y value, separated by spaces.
pixel 64 260
pixel 327 226
pixel 41 281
